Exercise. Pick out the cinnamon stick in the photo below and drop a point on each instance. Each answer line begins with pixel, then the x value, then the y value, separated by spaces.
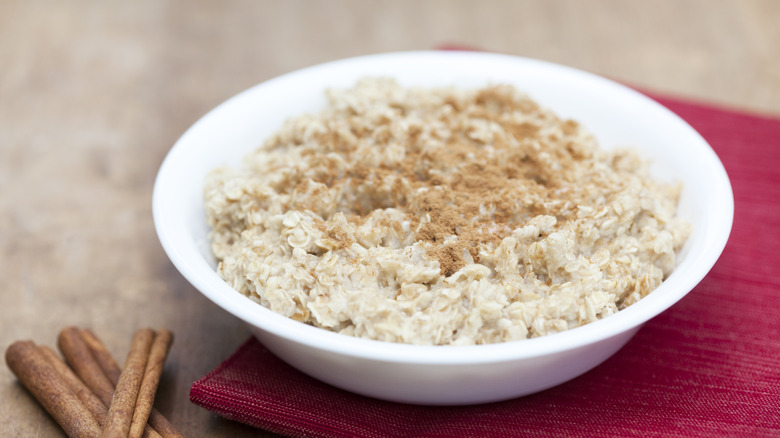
pixel 154 367
pixel 120 413
pixel 90 400
pixel 79 355
pixel 102 356
pixel 112 371
pixel 32 369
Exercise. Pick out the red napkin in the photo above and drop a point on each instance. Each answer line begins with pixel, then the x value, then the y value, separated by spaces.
pixel 709 366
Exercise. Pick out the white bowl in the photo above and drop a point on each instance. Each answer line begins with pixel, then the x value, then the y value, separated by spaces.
pixel 444 375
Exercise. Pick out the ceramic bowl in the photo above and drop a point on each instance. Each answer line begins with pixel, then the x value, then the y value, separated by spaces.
pixel 444 375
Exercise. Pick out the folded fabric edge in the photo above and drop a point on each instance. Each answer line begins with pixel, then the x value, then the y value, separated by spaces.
pixel 238 409
pixel 246 410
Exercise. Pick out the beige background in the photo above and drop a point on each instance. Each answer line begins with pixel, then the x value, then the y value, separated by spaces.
pixel 94 93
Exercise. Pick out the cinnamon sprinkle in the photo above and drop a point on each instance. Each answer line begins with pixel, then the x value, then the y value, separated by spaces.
pixel 466 188
pixel 375 217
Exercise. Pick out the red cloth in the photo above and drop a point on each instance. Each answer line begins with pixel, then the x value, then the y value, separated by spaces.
pixel 709 366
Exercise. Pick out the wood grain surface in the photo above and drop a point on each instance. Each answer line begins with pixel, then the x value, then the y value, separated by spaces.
pixel 94 93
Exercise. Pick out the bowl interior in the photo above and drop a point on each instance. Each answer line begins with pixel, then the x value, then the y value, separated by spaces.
pixel 616 115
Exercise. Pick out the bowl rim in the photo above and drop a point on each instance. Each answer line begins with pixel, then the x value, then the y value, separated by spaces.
pixel 669 292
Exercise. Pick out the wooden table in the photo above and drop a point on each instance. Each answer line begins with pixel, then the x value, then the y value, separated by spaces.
pixel 93 94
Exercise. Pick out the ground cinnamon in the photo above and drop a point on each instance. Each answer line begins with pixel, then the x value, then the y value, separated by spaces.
pixel 120 413
pixel 461 189
pixel 33 370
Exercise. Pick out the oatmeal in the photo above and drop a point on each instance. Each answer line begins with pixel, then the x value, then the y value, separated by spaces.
pixel 441 216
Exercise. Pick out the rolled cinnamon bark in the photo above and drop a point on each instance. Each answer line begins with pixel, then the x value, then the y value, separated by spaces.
pixel 32 369
pixel 154 367
pixel 102 356
pixel 112 371
pixel 120 413
pixel 90 400
pixel 79 356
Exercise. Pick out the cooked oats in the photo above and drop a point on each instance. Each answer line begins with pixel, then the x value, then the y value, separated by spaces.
pixel 441 216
